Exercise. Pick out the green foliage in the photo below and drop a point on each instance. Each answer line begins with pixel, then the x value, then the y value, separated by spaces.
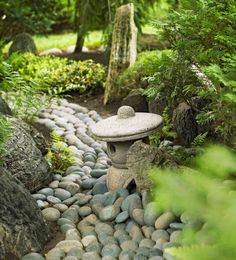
pixel 26 16
pixel 23 96
pixel 5 133
pixel 59 155
pixel 205 193
pixel 167 132
pixel 203 62
pixel 103 13
pixel 54 75
pixel 146 65
pixel 199 140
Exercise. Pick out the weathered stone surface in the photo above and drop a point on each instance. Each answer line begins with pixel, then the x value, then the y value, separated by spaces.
pixel 123 50
pixel 23 42
pixel 51 52
pixel 22 227
pixel 24 158
pixel 4 107
pixel 136 100
pixel 139 160
pixel 185 123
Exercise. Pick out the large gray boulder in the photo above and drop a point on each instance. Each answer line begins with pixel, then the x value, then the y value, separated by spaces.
pixel 22 228
pixel 24 156
pixel 23 42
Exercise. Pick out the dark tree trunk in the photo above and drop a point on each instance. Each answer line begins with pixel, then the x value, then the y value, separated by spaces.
pixel 79 43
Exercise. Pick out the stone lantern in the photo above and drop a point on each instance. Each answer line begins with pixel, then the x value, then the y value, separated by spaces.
pixel 121 132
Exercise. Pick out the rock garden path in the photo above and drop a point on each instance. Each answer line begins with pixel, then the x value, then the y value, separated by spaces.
pixel 96 223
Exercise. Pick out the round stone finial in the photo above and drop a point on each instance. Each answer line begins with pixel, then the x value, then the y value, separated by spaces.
pixel 125 112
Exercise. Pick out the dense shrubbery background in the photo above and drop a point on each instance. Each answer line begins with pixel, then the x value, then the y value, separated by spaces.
pixel 55 75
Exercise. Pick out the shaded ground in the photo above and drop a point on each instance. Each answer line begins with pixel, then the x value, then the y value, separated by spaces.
pixel 95 55
pixel 95 102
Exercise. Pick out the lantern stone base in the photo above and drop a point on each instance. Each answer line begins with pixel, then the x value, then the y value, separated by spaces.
pixel 118 178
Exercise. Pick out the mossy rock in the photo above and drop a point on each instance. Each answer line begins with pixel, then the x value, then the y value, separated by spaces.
pixel 23 42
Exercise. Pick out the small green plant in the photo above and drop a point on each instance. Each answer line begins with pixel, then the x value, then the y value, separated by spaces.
pixel 5 133
pixel 134 76
pixel 55 75
pixel 166 132
pixel 199 140
pixel 206 193
pixel 59 155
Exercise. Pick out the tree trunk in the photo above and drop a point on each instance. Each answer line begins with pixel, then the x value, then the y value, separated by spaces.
pixel 123 49
pixel 79 43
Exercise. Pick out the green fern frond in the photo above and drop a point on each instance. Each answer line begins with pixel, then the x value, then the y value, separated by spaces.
pixel 199 140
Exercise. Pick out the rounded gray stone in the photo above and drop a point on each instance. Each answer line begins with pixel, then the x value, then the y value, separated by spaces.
pixel 33 256
pixel 97 173
pixel 69 186
pixel 70 201
pixel 54 184
pixel 94 247
pixel 104 228
pixel 62 221
pixel 111 250
pixel 55 254
pixel 71 214
pixel 127 255
pixel 161 233
pixel 88 183
pixel 110 198
pixel 129 245
pixel 138 216
pixel 91 256
pixel 60 207
pixel 51 214
pixel 122 217
pixel 70 258
pixel 76 251
pixel 150 214
pixel 53 200
pixel 109 213
pixel 84 211
pixel 66 245
pixel 147 231
pixel 72 234
pixel 46 191
pixel 62 194
pixel 149 243
pixel 99 188
pixel 64 228
pixel 106 239
pixel 164 220
pixel 38 196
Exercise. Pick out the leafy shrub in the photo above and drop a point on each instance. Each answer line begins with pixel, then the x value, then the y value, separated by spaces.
pixel 59 155
pixel 206 194
pixel 203 62
pixel 23 96
pixel 55 75
pixel 146 65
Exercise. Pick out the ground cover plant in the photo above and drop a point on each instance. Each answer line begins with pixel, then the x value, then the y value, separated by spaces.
pixel 54 75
